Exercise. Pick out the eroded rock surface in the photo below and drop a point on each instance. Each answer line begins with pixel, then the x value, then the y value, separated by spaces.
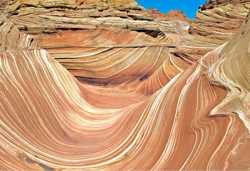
pixel 107 85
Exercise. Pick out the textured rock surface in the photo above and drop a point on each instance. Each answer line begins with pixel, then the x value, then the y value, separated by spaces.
pixel 106 85
pixel 219 21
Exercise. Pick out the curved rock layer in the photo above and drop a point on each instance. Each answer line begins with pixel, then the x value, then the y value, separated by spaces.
pixel 217 21
pixel 73 128
pixel 236 55
pixel 100 96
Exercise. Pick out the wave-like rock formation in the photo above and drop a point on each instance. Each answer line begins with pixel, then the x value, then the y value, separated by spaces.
pixel 107 85
pixel 234 64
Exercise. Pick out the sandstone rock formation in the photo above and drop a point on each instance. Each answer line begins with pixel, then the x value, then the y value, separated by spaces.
pixel 107 85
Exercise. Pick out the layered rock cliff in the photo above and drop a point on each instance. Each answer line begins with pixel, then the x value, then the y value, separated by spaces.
pixel 107 85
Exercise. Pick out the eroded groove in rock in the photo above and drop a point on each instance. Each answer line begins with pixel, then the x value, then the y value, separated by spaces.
pixel 84 86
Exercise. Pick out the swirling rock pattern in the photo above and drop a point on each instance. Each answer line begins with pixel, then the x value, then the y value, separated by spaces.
pixel 107 86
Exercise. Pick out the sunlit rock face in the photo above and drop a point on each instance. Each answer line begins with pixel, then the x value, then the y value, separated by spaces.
pixel 218 20
pixel 106 85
